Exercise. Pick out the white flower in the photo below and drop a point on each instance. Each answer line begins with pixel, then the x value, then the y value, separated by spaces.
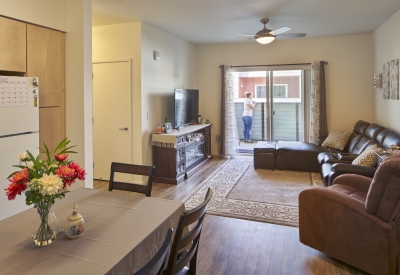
pixel 50 184
pixel 23 156
pixel 30 164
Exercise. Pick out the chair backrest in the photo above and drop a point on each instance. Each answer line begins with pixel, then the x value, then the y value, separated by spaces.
pixel 190 241
pixel 383 198
pixel 131 169
pixel 358 132
pixel 156 265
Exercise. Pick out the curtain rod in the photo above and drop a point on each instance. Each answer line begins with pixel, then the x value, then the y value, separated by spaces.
pixel 325 62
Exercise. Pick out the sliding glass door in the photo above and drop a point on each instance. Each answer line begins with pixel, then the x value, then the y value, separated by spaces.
pixel 287 105
pixel 280 110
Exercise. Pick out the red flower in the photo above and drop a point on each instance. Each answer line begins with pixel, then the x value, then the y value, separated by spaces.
pixel 67 174
pixel 14 189
pixel 20 177
pixel 79 171
pixel 61 157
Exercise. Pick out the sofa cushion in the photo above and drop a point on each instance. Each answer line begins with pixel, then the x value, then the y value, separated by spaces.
pixel 368 157
pixel 382 135
pixel 392 138
pixel 300 156
pixel 361 126
pixel 373 130
pixel 337 139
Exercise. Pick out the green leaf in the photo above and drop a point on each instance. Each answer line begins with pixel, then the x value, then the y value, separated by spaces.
pixel 62 144
pixel 47 153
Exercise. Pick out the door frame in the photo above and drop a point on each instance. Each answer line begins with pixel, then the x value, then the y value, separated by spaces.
pixel 129 60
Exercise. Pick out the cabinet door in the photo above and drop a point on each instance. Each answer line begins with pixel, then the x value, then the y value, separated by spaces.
pixel 45 60
pixel 12 45
pixel 51 127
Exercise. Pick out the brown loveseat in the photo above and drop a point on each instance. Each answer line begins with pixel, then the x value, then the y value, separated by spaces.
pixel 357 219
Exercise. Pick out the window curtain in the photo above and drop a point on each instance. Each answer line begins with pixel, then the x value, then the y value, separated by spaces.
pixel 228 132
pixel 318 128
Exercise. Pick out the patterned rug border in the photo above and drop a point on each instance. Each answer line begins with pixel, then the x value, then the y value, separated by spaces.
pixel 220 205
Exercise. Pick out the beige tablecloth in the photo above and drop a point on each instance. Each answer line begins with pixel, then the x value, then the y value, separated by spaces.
pixel 122 232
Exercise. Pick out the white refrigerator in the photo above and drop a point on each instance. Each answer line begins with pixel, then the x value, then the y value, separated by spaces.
pixel 19 131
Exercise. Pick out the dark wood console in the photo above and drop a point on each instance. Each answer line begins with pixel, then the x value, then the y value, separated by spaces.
pixel 182 153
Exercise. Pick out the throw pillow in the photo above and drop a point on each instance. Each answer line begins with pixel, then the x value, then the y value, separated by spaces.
pixel 337 139
pixel 367 157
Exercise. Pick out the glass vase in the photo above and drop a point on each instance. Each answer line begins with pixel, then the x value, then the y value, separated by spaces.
pixel 44 226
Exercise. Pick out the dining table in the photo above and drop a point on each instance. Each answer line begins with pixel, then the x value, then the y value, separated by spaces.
pixel 122 233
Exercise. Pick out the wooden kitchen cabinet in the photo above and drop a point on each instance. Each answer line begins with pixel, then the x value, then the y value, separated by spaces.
pixel 45 53
pixel 51 127
pixel 12 45
pixel 46 60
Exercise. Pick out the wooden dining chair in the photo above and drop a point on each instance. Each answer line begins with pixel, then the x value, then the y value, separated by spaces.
pixel 131 169
pixel 184 247
pixel 156 265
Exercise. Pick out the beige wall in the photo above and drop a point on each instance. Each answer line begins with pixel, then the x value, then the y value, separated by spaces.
pixel 79 85
pixel 153 81
pixel 47 13
pixel 175 69
pixel 350 94
pixel 386 41
pixel 122 41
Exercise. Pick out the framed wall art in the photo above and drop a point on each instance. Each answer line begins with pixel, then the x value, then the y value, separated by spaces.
pixel 386 80
pixel 394 79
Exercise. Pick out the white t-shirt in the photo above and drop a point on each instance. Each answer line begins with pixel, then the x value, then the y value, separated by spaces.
pixel 247 110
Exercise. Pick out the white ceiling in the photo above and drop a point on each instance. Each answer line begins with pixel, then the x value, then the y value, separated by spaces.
pixel 203 22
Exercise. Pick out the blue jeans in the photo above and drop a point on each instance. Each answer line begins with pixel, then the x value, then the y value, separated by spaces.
pixel 247 121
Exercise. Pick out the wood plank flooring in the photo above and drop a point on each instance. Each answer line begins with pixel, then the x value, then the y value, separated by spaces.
pixel 232 247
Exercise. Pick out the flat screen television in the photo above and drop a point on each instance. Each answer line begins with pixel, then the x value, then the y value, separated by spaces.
pixel 186 107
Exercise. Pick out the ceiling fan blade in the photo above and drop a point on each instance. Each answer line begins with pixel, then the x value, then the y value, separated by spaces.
pixel 280 30
pixel 244 34
pixel 291 35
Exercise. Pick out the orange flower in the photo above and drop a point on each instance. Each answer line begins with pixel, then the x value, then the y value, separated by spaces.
pixel 61 157
pixel 65 172
pixel 20 177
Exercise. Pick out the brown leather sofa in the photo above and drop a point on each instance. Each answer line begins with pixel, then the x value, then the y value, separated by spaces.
pixel 304 156
pixel 357 219
pixel 364 135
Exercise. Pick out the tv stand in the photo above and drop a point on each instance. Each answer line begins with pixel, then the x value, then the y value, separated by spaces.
pixel 179 155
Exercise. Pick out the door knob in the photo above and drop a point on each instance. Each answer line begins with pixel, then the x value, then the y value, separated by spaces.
pixel 124 129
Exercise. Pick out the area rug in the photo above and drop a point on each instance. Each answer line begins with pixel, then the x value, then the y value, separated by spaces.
pixel 240 191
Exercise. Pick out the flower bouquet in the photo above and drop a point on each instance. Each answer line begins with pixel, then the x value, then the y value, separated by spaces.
pixel 42 182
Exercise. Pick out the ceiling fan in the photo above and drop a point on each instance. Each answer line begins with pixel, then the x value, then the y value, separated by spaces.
pixel 266 36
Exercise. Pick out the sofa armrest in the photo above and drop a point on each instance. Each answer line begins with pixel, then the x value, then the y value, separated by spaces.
pixel 345 168
pixel 358 182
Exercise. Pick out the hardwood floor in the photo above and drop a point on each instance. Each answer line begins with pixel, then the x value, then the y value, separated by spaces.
pixel 231 246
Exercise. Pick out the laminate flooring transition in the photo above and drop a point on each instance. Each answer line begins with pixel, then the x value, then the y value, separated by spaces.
pixel 231 246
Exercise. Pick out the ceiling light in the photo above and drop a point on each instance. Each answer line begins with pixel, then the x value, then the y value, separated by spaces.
pixel 265 39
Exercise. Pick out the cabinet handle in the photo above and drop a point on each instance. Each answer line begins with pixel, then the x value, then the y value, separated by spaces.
pixel 124 129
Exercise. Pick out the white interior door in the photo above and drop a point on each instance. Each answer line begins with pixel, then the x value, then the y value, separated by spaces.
pixel 112 116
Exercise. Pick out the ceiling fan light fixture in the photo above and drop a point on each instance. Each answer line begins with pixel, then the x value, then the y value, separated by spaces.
pixel 265 39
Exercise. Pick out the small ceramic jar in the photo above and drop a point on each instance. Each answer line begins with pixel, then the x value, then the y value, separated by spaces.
pixel 75 225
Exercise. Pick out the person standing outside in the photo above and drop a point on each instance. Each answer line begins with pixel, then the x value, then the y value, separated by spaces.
pixel 249 105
